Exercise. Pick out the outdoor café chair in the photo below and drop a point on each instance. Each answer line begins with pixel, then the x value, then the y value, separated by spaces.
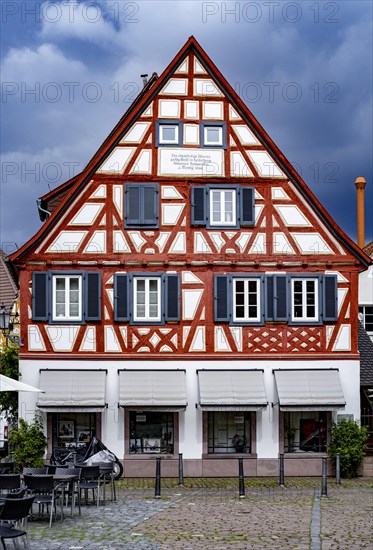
pixel 46 493
pixel 108 477
pixel 9 482
pixel 14 513
pixel 90 480
pixel 70 488
pixel 35 471
pixel 6 467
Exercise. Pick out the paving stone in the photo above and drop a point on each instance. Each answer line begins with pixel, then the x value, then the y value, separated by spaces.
pixel 215 518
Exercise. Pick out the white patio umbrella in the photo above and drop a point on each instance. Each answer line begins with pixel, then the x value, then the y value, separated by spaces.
pixel 9 384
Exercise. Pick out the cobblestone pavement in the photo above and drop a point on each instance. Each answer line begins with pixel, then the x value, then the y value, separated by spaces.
pixel 208 514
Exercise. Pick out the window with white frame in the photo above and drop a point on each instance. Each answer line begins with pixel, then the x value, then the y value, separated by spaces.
pixel 304 299
pixel 246 300
pixel 213 134
pixel 223 207
pixel 147 298
pixel 168 133
pixel 67 298
pixel 366 316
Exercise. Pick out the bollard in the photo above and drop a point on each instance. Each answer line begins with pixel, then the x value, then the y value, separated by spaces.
pixel 324 482
pixel 241 478
pixel 158 479
pixel 337 470
pixel 181 473
pixel 282 471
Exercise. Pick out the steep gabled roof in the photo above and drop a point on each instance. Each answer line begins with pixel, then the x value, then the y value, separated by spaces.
pixel 8 287
pixel 145 97
pixel 368 249
pixel 50 201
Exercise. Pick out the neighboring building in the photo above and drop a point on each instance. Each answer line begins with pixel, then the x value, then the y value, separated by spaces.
pixel 189 294
pixel 366 383
pixel 366 294
pixel 8 294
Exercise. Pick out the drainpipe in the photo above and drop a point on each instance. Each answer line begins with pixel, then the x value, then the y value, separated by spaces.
pixel 38 202
pixel 360 184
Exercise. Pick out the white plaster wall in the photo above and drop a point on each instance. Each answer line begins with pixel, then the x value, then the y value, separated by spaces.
pixel 191 419
pixel 366 287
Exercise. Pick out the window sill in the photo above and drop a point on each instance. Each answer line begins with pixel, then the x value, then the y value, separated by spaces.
pixel 224 456
pixel 144 456
pixel 305 454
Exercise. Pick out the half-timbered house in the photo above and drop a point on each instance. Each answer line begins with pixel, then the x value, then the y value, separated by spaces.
pixel 187 292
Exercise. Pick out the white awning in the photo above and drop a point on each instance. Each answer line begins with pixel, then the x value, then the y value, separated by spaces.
pixel 231 390
pixel 317 389
pixel 75 390
pixel 160 389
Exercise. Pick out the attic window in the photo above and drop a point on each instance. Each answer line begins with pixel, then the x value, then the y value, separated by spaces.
pixel 213 134
pixel 168 133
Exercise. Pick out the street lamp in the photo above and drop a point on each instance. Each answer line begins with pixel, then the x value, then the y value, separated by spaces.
pixel 7 322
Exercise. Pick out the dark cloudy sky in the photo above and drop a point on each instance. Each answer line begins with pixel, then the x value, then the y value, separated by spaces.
pixel 70 69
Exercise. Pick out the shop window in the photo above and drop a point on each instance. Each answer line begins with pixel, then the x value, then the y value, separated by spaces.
pixel 73 429
pixel 306 431
pixel 151 432
pixel 229 432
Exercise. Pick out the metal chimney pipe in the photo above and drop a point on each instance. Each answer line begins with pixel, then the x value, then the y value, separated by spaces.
pixel 360 184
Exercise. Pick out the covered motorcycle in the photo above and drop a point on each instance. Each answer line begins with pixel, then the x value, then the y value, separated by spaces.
pixel 93 453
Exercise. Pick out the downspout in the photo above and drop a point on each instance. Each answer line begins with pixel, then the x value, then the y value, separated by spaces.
pixel 38 202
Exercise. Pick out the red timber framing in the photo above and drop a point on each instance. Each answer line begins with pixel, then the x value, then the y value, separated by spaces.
pixel 86 232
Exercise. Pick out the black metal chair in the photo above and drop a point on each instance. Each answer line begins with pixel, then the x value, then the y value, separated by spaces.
pixel 35 471
pixel 70 488
pixel 108 478
pixel 14 513
pixel 46 493
pixel 9 482
pixel 6 467
pixel 90 480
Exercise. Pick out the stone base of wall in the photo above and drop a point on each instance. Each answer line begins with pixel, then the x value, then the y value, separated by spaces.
pixel 367 466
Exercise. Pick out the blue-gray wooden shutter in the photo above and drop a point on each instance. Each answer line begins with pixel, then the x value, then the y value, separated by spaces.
pixel 121 297
pixel 269 298
pixel 247 210
pixel 40 296
pixel 330 298
pixel 198 206
pixel 132 204
pixel 150 205
pixel 281 297
pixel 222 287
pixel 171 284
pixel 92 291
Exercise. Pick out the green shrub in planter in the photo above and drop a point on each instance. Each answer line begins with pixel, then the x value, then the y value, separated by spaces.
pixel 28 444
pixel 349 440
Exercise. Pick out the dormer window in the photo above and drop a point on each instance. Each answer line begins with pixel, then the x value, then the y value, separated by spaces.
pixel 168 133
